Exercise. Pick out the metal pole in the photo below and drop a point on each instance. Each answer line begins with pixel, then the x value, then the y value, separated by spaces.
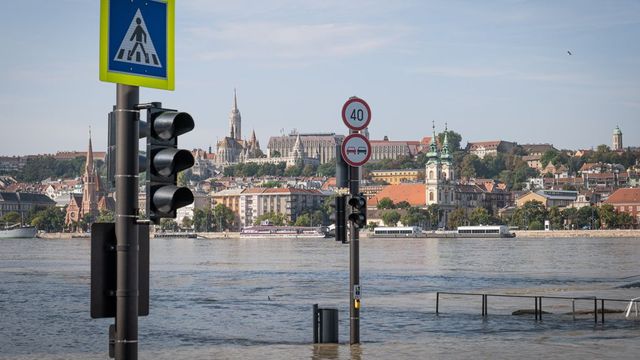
pixel 437 302
pixel 354 261
pixel 127 122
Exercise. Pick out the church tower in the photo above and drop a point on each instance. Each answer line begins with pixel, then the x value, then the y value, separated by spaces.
pixel 617 139
pixel 432 171
pixel 90 184
pixel 235 119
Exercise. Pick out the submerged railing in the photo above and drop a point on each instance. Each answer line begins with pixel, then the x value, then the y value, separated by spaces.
pixel 538 303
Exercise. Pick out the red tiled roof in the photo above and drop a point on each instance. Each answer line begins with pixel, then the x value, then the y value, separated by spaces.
pixel 414 194
pixel 625 196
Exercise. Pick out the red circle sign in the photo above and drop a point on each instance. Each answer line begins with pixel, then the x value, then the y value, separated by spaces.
pixel 356 150
pixel 356 114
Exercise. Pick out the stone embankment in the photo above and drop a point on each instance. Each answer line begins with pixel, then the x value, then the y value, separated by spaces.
pixel 577 233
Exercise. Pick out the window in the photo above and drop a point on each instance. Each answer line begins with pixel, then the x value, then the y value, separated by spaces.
pixel 431 196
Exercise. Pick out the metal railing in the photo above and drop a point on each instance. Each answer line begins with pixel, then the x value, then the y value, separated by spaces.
pixel 538 303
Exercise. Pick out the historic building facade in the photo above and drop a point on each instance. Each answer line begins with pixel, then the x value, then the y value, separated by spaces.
pixel 233 149
pixel 321 146
pixel 616 143
pixel 93 198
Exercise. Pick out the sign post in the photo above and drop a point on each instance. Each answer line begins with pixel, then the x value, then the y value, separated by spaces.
pixel 136 49
pixel 356 151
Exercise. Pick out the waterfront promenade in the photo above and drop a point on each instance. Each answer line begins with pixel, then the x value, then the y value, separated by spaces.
pixel 364 234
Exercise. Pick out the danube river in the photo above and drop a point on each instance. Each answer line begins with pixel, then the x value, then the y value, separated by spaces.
pixel 252 299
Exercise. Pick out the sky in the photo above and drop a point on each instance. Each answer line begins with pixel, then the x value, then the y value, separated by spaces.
pixel 488 69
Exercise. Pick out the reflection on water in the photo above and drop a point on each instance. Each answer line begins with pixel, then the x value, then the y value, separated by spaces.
pixel 252 298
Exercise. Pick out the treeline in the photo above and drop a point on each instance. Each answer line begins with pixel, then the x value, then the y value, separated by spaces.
pixel 533 214
pixel 280 169
pixel 42 167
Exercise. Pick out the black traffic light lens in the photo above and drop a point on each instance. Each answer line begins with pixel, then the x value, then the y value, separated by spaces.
pixel 169 161
pixel 168 198
pixel 170 124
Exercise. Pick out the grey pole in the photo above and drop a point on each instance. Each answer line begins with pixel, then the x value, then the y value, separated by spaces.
pixel 354 261
pixel 127 122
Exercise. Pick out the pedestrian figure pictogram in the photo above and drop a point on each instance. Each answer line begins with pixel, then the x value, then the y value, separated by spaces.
pixel 137 45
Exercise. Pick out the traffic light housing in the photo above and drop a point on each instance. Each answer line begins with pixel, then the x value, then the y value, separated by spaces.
pixel 340 217
pixel 165 161
pixel 358 210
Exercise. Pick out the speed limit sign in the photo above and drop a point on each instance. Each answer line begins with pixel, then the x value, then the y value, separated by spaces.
pixel 356 114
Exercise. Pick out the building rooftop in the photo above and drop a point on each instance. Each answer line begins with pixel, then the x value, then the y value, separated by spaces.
pixel 624 196
pixel 414 194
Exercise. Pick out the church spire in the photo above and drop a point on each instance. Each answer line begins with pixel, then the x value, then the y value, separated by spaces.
pixel 89 162
pixel 235 100
pixel 446 155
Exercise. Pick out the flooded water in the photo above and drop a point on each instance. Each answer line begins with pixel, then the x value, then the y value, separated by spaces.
pixel 252 299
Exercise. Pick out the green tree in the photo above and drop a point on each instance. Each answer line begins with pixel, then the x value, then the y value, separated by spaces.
pixel 328 169
pixel 309 170
pixel 203 220
pixel 50 219
pixel 479 216
pixel 625 220
pixel 168 225
pixel 106 216
pixel 271 184
pixel 531 211
pixel 415 217
pixel 403 205
pixel 385 203
pixel 224 217
pixel 11 218
pixel 555 218
pixel 608 216
pixel 277 219
pixel 453 138
pixel 303 220
pixel 457 218
pixel 435 215
pixel 391 218
pixel 182 179
pixel 187 223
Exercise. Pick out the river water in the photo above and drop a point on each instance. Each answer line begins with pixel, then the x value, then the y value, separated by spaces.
pixel 252 299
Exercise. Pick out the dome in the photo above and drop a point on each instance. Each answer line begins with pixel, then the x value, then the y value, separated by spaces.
pixel 617 131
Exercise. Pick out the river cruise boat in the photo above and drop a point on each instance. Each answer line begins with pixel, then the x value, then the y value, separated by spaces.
pixel 488 231
pixel 272 231
pixel 17 232
pixel 398 232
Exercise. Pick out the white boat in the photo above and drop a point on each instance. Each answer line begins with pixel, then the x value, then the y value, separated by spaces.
pixel 398 231
pixel 484 231
pixel 18 232
pixel 271 231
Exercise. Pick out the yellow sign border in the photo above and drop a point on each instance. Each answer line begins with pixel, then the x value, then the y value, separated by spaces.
pixel 137 80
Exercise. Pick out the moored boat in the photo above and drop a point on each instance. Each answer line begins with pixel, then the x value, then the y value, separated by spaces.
pixel 18 232
pixel 269 231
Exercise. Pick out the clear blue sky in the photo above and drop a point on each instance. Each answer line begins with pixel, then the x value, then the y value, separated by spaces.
pixel 491 69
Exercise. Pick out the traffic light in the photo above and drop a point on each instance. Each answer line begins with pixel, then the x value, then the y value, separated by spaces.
pixel 358 210
pixel 165 161
pixel 340 217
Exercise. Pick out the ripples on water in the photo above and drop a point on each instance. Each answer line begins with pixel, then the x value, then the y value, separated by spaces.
pixel 252 299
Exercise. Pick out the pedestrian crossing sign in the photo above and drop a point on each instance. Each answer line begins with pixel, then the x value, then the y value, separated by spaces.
pixel 137 42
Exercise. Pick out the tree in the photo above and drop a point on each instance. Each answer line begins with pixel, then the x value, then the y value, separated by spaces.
pixel 106 216
pixel 531 211
pixel 608 216
pixel 391 218
pixel 403 205
pixel 309 170
pixel 168 224
pixel 454 139
pixel 457 218
pixel 203 220
pixel 479 216
pixel 415 217
pixel 51 219
pixel 224 217
pixel 385 203
pixel 11 218
pixel 277 219
pixel 271 184
pixel 625 220
pixel 555 218
pixel 303 220
pixel 187 223
pixel 434 215
pixel 182 179
pixel 328 169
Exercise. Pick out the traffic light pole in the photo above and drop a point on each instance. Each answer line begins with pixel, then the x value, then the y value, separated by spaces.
pixel 354 263
pixel 126 178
